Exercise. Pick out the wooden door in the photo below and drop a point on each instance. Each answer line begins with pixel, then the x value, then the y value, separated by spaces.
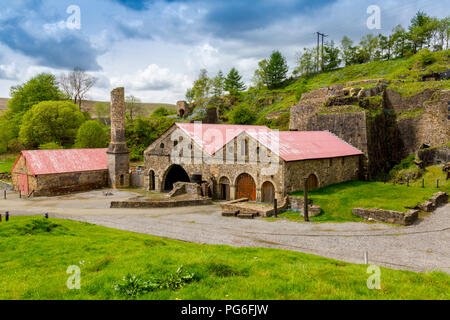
pixel 268 192
pixel 246 187
pixel 23 183
pixel 312 183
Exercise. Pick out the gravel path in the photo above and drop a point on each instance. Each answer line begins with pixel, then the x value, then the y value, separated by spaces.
pixel 422 247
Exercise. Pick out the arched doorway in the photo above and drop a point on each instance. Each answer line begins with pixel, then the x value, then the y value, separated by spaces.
pixel 175 174
pixel 245 187
pixel 312 183
pixel 268 192
pixel 151 177
pixel 224 189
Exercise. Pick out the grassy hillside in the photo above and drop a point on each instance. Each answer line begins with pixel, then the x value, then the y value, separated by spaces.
pixel 37 252
pixel 272 106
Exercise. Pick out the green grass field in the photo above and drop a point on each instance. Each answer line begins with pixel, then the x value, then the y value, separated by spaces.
pixel 6 164
pixel 338 201
pixel 35 254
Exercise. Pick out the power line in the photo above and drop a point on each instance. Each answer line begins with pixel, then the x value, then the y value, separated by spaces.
pixel 318 49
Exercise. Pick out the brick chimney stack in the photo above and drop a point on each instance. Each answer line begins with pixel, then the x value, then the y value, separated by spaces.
pixel 118 153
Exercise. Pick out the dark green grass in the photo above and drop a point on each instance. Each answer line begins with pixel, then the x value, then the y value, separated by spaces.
pixel 34 257
pixel 338 201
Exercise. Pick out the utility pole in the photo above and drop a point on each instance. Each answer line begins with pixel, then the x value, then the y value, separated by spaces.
pixel 318 49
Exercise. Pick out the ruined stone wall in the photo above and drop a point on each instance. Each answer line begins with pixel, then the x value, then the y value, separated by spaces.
pixel 431 127
pixel 56 184
pixel 327 171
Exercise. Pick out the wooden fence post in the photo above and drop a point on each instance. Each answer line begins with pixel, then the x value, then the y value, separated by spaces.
pixel 305 200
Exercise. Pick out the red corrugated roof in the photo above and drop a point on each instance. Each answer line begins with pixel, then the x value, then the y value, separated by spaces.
pixel 65 160
pixel 289 145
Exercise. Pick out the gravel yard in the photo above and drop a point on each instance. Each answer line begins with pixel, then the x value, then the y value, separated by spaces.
pixel 421 247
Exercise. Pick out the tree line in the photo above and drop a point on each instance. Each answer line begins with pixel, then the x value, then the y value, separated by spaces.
pixel 424 33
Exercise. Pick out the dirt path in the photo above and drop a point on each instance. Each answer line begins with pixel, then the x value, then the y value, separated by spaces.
pixel 421 247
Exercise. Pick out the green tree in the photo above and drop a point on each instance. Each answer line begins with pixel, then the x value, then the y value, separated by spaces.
pixel 190 95
pixel 242 114
pixel 348 51
pixel 399 41
pixel 233 82
pixel 202 86
pixel 331 58
pixel 218 84
pixel 160 112
pixel 134 107
pixel 91 134
pixel 276 70
pixel 368 47
pixel 260 76
pixel 43 87
pixel 102 110
pixel 420 30
pixel 51 121
pixel 306 62
pixel 50 146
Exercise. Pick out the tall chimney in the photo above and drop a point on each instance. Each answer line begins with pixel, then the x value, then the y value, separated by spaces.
pixel 118 153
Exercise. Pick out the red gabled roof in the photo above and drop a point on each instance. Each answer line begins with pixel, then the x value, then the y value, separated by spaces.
pixel 289 145
pixel 65 160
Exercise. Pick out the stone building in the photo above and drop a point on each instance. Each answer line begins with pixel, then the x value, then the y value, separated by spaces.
pixel 54 172
pixel 248 161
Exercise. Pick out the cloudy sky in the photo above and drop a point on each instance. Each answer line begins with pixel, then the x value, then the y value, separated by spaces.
pixel 155 48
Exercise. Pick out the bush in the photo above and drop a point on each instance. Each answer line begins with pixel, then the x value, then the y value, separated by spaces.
pixel 425 57
pixel 133 286
pixel 50 146
pixel 91 134
pixel 242 114
pixel 160 112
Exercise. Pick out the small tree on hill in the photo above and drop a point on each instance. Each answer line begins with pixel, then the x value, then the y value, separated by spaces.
pixel 218 84
pixel 233 82
pixel 77 84
pixel 134 107
pixel 276 71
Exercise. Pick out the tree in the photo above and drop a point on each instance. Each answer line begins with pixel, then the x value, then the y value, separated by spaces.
pixel 202 86
pixel 50 146
pixel 306 62
pixel 276 71
pixel 368 46
pixel 102 110
pixel 419 30
pixel 331 57
pixel 242 114
pixel 51 121
pixel 348 51
pixel 260 76
pixel 190 95
pixel 233 82
pixel 77 84
pixel 218 84
pixel 91 135
pixel 399 41
pixel 160 112
pixel 43 87
pixel 133 106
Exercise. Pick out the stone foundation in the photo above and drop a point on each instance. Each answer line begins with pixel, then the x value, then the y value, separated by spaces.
pixel 388 216
pixel 160 203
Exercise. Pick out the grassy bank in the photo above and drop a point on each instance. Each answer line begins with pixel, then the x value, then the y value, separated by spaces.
pixel 338 201
pixel 6 164
pixel 35 254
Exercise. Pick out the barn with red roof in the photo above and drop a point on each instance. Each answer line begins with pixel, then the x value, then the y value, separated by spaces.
pixel 253 162
pixel 53 172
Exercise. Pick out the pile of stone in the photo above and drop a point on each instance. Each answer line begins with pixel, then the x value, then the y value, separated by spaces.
pixel 437 200
pixel 388 216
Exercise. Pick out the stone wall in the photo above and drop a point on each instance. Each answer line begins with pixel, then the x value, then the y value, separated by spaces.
pixel 137 180
pixel 5 185
pixel 327 171
pixel 160 204
pixel 57 184
pixel 388 216
pixel 436 155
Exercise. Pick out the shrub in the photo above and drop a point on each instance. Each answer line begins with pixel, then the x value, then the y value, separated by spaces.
pixel 133 286
pixel 50 146
pixel 425 57
pixel 242 114
pixel 91 134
